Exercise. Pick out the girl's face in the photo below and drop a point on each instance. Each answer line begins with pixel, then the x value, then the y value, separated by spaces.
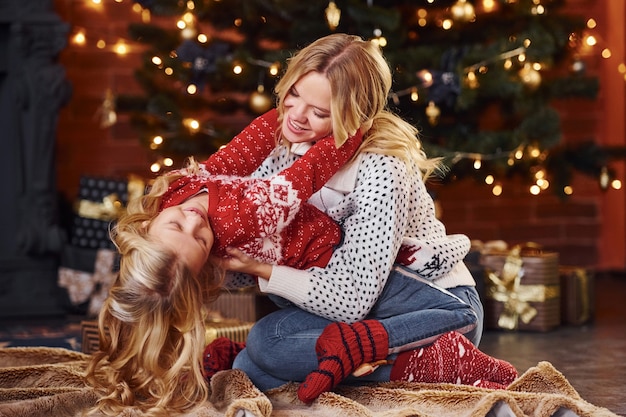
pixel 307 109
pixel 185 230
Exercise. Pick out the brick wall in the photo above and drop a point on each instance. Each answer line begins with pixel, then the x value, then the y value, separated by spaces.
pixel 586 230
pixel 572 228
pixel 83 147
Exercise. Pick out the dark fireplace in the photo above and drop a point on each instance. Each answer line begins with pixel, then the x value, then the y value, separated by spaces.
pixel 33 88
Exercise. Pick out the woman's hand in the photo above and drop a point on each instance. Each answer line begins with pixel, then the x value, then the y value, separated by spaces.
pixel 238 261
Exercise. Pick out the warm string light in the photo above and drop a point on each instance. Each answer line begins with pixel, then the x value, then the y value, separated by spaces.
pixel 157 166
pixel 463 11
pixel 119 46
pixel 425 77
pixel 521 154
pixel 378 38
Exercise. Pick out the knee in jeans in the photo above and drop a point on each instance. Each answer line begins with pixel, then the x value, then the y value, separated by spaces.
pixel 259 347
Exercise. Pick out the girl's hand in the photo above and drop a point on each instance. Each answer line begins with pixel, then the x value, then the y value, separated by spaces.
pixel 236 260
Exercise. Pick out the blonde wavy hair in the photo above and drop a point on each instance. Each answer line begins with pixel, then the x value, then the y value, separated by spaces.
pixel 151 326
pixel 360 81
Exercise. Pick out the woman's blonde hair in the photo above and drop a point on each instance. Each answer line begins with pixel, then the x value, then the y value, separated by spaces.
pixel 360 82
pixel 151 326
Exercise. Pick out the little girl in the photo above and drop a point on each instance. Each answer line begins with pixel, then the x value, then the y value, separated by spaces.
pixel 152 324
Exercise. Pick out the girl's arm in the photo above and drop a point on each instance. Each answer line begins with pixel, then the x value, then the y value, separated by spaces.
pixel 264 207
pixel 311 171
pixel 246 151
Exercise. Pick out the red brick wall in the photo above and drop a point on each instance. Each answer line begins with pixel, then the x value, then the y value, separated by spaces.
pixel 587 230
pixel 83 147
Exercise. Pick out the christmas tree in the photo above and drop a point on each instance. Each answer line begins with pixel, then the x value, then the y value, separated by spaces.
pixel 476 78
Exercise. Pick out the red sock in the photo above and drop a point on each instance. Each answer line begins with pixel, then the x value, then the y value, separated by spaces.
pixel 453 359
pixel 219 355
pixel 341 348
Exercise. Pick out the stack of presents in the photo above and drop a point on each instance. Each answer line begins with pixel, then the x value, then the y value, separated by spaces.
pixel 523 287
pixel 89 261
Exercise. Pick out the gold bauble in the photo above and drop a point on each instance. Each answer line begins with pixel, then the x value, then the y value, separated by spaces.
pixel 260 101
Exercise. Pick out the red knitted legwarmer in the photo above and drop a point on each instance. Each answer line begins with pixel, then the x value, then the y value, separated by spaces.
pixel 453 359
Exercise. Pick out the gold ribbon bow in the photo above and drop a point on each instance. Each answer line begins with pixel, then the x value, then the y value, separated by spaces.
pixel 508 290
pixel 111 206
pixel 108 209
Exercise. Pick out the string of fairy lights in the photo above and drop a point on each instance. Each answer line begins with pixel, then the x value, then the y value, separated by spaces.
pixel 461 12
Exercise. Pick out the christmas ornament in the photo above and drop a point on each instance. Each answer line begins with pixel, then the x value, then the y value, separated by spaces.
pixel 433 113
pixel 444 85
pixel 260 101
pixel 203 59
pixel 333 14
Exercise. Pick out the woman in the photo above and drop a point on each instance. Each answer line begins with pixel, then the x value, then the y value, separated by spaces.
pixel 397 282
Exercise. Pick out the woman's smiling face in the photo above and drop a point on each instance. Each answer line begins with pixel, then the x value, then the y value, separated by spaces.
pixel 307 109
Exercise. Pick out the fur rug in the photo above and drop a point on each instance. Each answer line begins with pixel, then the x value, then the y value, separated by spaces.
pixel 44 382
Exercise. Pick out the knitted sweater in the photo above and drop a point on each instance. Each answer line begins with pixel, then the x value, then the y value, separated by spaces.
pixel 381 207
pixel 269 219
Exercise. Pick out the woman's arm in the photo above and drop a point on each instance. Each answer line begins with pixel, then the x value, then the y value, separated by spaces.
pixel 373 217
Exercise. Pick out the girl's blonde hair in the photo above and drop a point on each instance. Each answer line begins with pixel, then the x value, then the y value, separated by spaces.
pixel 360 82
pixel 151 326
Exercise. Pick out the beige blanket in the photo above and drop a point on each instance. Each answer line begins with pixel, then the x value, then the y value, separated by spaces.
pixel 47 382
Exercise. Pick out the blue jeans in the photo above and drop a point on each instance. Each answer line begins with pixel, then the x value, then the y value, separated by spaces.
pixel 281 346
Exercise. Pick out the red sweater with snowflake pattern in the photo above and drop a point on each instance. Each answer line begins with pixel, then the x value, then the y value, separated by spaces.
pixel 268 219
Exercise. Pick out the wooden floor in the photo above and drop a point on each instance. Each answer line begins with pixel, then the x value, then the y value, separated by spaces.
pixel 592 357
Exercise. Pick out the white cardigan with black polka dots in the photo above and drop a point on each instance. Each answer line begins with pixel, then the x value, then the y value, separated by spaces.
pixel 385 207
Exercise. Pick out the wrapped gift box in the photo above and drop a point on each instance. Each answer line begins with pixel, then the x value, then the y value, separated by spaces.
pixel 235 330
pixel 473 262
pixel 87 275
pixel 522 287
pixel 215 327
pixel 577 295
pixel 100 202
pixel 246 305
pixel 90 339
